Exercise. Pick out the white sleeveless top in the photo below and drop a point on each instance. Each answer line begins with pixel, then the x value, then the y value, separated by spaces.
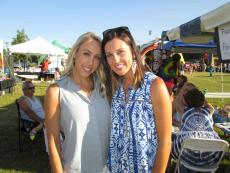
pixel 85 123
pixel 36 106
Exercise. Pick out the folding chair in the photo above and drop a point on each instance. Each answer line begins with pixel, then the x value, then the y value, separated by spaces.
pixel 24 128
pixel 202 145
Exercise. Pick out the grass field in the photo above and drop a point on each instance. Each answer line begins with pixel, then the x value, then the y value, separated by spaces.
pixel 212 84
pixel 11 161
pixel 34 160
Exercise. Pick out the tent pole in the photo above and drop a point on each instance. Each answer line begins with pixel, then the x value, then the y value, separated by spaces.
pixel 24 64
pixel 57 61
pixel 222 81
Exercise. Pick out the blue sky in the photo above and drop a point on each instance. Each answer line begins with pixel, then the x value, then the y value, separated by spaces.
pixel 66 20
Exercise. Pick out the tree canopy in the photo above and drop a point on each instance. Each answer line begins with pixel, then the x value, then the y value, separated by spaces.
pixel 21 37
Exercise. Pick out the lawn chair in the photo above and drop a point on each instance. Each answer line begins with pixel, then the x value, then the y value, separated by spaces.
pixel 202 145
pixel 24 128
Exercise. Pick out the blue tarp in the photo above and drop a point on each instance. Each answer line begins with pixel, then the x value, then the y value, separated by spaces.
pixel 181 47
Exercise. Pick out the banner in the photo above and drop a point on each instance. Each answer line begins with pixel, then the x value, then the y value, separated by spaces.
pixel 223 32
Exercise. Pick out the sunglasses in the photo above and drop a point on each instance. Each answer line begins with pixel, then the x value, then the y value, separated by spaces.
pixel 31 88
pixel 118 29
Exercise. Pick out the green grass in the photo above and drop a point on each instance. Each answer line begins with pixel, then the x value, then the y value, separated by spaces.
pixel 214 84
pixel 34 160
pixel 11 161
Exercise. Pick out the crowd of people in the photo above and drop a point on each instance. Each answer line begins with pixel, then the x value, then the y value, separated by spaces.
pixel 116 115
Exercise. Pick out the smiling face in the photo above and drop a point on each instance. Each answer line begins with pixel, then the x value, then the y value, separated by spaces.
pixel 119 56
pixel 87 58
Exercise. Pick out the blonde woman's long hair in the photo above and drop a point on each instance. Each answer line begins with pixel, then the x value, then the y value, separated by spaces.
pixel 99 74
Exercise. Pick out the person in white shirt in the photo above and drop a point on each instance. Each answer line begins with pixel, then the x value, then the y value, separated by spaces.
pixel 31 108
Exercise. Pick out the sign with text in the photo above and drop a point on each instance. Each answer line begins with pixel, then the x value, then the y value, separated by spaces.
pixel 224 42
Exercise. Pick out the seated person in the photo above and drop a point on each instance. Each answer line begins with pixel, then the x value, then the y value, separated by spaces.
pixel 31 108
pixel 178 103
pixel 196 122
pixel 180 81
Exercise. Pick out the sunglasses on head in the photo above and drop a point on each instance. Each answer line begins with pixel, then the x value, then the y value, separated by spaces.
pixel 118 29
pixel 31 88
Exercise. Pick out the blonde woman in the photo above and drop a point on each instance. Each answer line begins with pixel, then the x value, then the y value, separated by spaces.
pixel 76 106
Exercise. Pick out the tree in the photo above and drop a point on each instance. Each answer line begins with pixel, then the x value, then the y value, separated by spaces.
pixel 21 37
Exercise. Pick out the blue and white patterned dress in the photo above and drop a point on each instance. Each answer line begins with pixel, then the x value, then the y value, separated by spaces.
pixel 196 123
pixel 133 141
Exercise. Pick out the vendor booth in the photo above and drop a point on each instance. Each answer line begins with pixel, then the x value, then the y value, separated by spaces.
pixel 178 46
pixel 212 26
pixel 37 46
pixel 201 29
pixel 56 61
pixel 6 83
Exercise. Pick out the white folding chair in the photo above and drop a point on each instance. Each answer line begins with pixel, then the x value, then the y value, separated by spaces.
pixel 202 145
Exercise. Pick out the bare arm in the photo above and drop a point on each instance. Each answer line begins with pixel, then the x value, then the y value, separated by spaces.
pixel 52 112
pixel 25 106
pixel 163 110
pixel 211 108
pixel 175 122
pixel 177 108
pixel 178 102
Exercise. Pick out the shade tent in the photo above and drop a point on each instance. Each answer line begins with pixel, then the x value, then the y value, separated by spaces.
pixel 178 46
pixel 148 47
pixel 60 45
pixel 203 29
pixel 200 29
pixel 37 46
pixel 57 44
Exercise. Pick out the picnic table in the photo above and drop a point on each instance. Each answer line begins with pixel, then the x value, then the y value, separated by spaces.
pixel 35 75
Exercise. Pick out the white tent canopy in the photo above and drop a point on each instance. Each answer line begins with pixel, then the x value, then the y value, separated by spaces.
pixel 201 29
pixel 36 46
